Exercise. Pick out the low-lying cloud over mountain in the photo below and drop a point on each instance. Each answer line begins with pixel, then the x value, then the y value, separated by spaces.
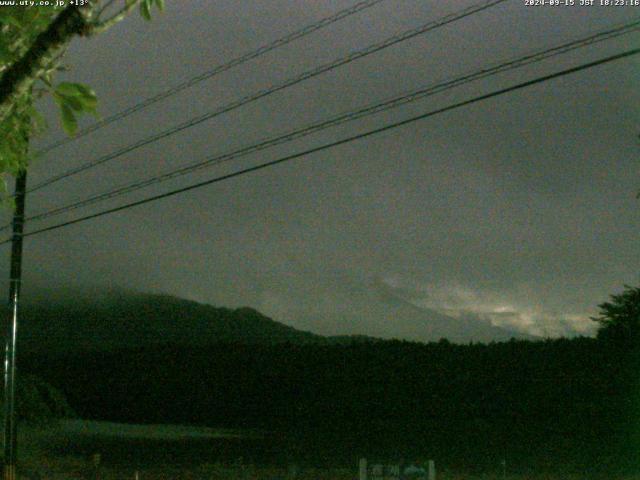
pixel 387 312
pixel 497 309
pixel 120 319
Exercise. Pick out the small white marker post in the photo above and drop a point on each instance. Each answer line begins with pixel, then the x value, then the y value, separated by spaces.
pixel 431 468
pixel 363 469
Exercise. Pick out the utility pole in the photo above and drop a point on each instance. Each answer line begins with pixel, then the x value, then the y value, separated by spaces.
pixel 10 430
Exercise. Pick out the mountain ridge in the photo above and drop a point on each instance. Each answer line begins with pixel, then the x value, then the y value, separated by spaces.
pixel 118 320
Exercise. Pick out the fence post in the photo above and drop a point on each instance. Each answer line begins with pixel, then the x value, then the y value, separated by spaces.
pixel 432 470
pixel 363 469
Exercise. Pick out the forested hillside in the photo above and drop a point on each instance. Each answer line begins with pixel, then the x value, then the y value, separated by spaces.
pixel 566 404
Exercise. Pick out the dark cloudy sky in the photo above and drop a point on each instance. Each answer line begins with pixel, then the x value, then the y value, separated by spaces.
pixel 519 210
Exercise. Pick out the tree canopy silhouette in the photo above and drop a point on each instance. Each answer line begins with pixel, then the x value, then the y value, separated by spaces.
pixel 619 318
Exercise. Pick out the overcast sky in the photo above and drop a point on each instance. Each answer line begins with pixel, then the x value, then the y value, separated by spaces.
pixel 519 210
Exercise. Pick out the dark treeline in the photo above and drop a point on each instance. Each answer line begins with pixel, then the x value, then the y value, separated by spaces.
pixel 560 405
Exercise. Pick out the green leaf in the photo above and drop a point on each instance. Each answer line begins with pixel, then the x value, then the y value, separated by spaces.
pixel 78 96
pixel 38 122
pixel 10 19
pixel 85 90
pixel 5 52
pixel 57 97
pixel 74 102
pixel 90 104
pixel 68 89
pixel 89 99
pixel 47 79
pixel 160 5
pixel 145 9
pixel 69 121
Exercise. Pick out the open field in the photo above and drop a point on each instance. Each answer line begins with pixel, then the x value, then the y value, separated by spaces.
pixel 64 450
pixel 76 468
pixel 150 432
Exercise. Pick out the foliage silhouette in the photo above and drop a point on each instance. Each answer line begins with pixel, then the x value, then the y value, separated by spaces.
pixel 619 318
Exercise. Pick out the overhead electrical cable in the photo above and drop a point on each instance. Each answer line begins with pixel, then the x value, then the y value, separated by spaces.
pixel 347 117
pixel 304 31
pixel 276 88
pixel 343 141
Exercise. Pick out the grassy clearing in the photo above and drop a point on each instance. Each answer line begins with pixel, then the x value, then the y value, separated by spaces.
pixel 39 460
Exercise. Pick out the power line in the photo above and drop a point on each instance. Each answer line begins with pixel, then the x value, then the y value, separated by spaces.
pixel 307 30
pixel 369 110
pixel 276 88
pixel 347 117
pixel 343 141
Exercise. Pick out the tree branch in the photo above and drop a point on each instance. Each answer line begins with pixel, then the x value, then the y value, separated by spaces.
pixel 104 8
pixel 19 77
pixel 73 20
pixel 99 27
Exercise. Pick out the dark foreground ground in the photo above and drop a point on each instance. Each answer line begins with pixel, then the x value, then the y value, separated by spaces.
pixel 67 450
